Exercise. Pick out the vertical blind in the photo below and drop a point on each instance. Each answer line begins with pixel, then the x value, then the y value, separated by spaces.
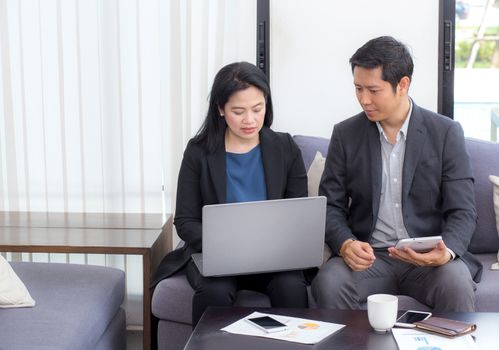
pixel 98 99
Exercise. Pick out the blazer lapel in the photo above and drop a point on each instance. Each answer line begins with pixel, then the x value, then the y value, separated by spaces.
pixel 216 166
pixel 272 159
pixel 376 167
pixel 416 136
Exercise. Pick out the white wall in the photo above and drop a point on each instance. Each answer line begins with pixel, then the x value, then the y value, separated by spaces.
pixel 312 41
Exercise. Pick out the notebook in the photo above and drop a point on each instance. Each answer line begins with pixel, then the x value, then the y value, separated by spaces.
pixel 262 236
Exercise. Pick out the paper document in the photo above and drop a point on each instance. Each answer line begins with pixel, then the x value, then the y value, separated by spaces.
pixel 414 339
pixel 299 330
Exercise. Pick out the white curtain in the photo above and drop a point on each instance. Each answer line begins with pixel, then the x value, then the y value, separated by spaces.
pixel 98 99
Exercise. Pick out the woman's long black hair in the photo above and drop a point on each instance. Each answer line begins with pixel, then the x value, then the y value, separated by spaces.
pixel 229 80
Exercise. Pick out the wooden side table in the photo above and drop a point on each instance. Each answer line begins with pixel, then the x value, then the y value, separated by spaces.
pixel 149 235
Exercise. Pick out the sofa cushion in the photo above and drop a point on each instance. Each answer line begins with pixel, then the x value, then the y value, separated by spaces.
pixel 405 303
pixel 495 181
pixel 74 306
pixel 483 155
pixel 487 293
pixel 314 174
pixel 173 335
pixel 172 299
pixel 309 145
pixel 115 337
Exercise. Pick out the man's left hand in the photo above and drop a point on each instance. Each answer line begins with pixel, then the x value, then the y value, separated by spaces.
pixel 436 257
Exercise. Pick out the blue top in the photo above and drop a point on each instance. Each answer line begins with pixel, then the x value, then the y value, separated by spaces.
pixel 245 176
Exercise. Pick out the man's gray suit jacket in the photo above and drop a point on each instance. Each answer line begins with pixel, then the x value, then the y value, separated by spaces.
pixel 437 184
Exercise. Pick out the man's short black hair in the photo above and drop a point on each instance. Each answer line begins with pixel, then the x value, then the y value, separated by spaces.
pixel 391 55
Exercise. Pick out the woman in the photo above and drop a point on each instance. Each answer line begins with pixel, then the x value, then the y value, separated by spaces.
pixel 235 157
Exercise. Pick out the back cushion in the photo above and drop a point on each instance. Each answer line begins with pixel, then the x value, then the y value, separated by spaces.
pixel 314 174
pixel 484 161
pixel 309 145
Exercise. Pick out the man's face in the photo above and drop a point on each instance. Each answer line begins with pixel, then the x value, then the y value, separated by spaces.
pixel 376 96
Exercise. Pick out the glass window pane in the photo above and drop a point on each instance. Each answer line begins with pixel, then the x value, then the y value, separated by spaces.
pixel 476 96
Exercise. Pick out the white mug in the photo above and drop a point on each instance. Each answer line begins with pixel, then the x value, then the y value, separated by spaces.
pixel 382 311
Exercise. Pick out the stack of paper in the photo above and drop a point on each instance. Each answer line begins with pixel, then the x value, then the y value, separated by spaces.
pixel 299 330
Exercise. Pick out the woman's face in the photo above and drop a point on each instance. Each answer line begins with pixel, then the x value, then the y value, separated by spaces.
pixel 244 114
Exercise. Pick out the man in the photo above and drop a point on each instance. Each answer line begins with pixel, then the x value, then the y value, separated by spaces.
pixel 396 171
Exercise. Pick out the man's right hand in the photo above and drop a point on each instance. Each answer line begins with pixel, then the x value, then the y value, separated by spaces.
pixel 358 255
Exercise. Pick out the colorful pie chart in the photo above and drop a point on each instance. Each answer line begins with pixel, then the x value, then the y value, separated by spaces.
pixel 308 325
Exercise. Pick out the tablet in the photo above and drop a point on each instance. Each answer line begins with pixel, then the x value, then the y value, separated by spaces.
pixel 419 244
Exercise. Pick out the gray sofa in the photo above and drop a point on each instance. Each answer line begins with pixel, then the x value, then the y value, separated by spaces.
pixel 171 301
pixel 77 307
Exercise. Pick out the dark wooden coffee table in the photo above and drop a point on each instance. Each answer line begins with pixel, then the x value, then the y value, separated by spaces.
pixel 356 335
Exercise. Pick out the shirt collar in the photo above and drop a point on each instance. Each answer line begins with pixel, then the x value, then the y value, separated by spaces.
pixel 403 129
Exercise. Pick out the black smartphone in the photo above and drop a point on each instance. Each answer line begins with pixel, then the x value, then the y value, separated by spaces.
pixel 267 324
pixel 409 317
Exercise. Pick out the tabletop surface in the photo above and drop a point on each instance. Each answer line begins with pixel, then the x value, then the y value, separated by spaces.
pixel 82 220
pixel 356 335
pixel 113 230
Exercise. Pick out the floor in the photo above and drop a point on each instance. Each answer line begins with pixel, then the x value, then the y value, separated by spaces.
pixel 134 340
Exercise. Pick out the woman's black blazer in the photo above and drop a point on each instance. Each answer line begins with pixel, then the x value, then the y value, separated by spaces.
pixel 202 181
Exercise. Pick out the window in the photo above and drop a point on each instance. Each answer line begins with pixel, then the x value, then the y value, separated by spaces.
pixel 476 97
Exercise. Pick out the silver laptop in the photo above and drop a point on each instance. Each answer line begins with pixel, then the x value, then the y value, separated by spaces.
pixel 262 236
